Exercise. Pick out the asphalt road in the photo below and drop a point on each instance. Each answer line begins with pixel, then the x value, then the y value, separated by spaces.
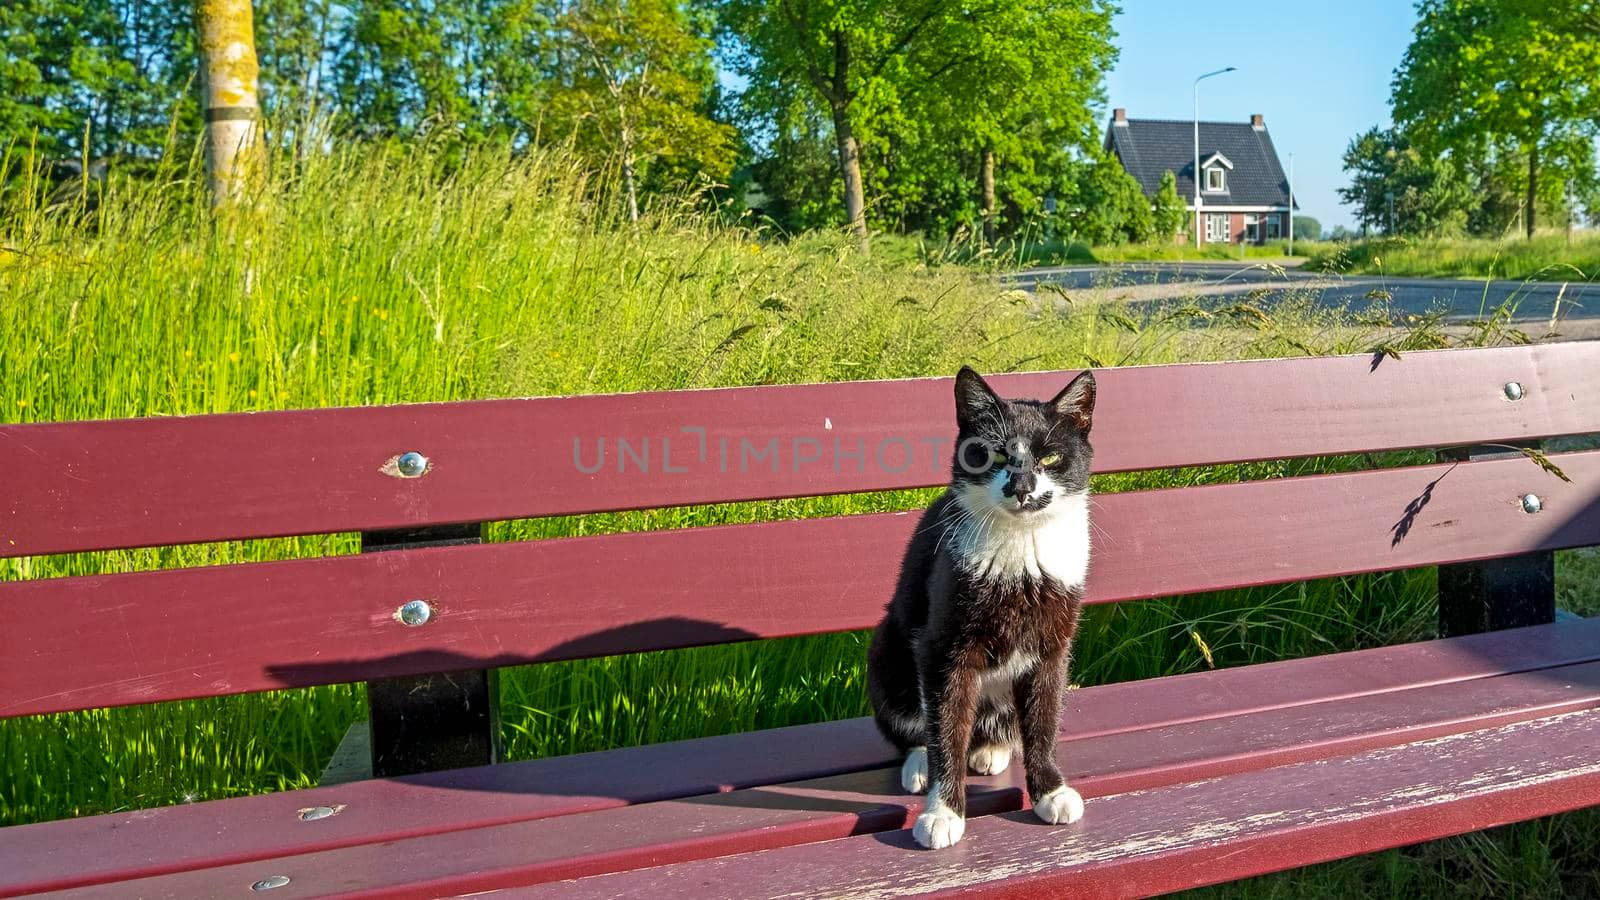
pixel 1147 282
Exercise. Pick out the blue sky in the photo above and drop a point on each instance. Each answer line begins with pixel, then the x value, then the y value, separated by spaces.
pixel 1319 72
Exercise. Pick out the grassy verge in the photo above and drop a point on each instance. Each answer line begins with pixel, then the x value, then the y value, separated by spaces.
pixel 1546 257
pixel 1176 253
pixel 1028 252
pixel 366 278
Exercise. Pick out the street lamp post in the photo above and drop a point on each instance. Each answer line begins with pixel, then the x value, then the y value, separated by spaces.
pixel 1291 204
pixel 1197 148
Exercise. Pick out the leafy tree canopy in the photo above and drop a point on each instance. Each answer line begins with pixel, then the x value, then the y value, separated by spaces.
pixel 1431 195
pixel 1498 78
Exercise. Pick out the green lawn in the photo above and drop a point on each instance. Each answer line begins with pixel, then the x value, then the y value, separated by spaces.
pixel 371 278
pixel 1546 257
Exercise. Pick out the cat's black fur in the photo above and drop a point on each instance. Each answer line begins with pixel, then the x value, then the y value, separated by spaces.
pixel 949 628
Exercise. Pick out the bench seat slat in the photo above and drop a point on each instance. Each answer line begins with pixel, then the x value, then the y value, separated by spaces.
pixel 865 802
pixel 209 478
pixel 151 842
pixel 93 641
pixel 1149 842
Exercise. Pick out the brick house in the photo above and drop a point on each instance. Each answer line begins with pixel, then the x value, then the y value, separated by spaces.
pixel 1244 196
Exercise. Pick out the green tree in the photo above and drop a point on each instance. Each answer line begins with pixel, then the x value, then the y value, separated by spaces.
pixel 418 66
pixel 1111 206
pixel 1510 75
pixel 632 86
pixel 1431 195
pixel 840 49
pixel 1169 214
pixel 37 38
pixel 1307 228
pixel 101 78
pixel 1021 82
pixel 797 171
pixel 293 39
pixel 926 98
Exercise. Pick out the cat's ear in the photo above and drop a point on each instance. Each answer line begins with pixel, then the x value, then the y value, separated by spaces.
pixel 975 401
pixel 1076 401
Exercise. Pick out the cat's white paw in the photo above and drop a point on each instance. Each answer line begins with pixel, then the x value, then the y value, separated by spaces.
pixel 914 771
pixel 990 759
pixel 1061 806
pixel 938 827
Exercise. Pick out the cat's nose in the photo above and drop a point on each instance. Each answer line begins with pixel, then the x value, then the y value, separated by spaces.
pixel 1021 487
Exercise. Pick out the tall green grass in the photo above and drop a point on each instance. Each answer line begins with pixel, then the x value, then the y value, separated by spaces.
pixel 1548 256
pixel 370 277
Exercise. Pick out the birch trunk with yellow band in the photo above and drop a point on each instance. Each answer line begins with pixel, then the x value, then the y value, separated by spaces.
pixel 232 110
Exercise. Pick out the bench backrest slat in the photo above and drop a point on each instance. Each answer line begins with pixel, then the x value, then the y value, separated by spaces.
pixel 147 482
pixel 93 641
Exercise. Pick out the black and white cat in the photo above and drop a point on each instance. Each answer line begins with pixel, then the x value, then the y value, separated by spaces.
pixel 969 664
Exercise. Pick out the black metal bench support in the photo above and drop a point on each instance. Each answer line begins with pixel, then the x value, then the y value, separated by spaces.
pixel 1492 594
pixel 425 723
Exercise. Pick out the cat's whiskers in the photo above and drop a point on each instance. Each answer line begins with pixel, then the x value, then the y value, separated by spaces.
pixel 942 520
pixel 962 515
pixel 985 525
pixel 1094 526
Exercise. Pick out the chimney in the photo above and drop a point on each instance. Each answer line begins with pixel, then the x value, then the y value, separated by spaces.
pixel 1119 116
pixel 1257 122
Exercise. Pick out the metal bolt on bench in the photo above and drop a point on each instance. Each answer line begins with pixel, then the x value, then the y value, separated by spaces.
pixel 446 720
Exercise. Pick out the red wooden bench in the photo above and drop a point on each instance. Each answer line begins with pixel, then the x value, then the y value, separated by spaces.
pixel 1191 779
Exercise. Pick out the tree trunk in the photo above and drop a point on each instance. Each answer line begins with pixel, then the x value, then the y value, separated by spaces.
pixel 986 186
pixel 628 180
pixel 855 205
pixel 232 111
pixel 1533 183
pixel 838 93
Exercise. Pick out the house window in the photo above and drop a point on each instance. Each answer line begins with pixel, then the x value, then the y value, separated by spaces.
pixel 1274 228
pixel 1216 179
pixel 1219 228
pixel 1252 228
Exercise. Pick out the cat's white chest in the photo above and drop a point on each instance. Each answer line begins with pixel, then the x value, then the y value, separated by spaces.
pixel 1055 544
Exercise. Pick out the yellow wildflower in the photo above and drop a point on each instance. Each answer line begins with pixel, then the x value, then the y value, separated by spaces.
pixel 1205 649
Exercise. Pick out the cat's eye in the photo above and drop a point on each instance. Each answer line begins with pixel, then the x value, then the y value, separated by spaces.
pixel 997 456
pixel 1050 460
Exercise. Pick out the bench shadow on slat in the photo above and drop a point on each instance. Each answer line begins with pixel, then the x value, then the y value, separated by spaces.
pixel 672 631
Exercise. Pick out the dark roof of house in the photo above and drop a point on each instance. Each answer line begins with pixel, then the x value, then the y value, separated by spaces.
pixel 1149 147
